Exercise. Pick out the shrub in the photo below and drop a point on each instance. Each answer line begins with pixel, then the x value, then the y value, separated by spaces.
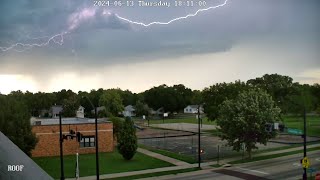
pixel 127 140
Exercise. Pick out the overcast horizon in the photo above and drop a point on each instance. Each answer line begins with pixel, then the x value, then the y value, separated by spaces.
pixel 238 41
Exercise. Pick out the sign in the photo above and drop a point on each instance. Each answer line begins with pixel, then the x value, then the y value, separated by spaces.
pixel 143 117
pixel 311 170
pixel 276 126
pixel 165 114
pixel 305 162
pixel 294 131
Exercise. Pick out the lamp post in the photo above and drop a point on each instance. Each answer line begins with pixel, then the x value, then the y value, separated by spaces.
pixel 61 149
pixel 199 148
pixel 304 177
pixel 96 140
pixel 304 141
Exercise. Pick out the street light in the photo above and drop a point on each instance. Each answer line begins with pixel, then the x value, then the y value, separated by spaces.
pixel 97 142
pixel 304 136
pixel 199 148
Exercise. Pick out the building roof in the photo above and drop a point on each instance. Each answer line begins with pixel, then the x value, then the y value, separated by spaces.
pixel 56 109
pixel 129 108
pixel 194 106
pixel 12 155
pixel 75 120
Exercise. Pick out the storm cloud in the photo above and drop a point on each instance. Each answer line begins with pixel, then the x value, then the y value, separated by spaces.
pixel 98 40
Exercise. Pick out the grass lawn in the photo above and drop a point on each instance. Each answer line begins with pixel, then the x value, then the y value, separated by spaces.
pixel 296 122
pixel 174 155
pixel 112 162
pixel 184 120
pixel 156 174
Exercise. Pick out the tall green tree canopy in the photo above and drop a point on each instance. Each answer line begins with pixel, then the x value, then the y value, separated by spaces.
pixel 216 94
pixel 15 123
pixel 112 100
pixel 127 139
pixel 243 119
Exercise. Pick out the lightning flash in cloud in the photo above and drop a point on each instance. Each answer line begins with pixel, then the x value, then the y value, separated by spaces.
pixel 77 18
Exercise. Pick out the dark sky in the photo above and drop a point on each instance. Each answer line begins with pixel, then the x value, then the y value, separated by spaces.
pixel 242 39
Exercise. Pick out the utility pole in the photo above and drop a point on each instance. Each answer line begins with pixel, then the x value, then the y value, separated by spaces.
pixel 304 141
pixel 199 148
pixel 61 149
pixel 97 143
pixel 96 140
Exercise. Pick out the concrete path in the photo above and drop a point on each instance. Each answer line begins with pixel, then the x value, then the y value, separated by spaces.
pixel 163 158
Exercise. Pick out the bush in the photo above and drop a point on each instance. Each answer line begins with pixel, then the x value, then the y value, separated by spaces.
pixel 117 125
pixel 127 140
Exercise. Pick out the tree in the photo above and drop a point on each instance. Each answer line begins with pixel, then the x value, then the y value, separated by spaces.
pixel 141 109
pixel 111 99
pixel 216 94
pixel 278 86
pixel 15 123
pixel 70 105
pixel 117 126
pixel 127 141
pixel 244 119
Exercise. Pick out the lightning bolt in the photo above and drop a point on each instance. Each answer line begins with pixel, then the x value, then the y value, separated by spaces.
pixel 172 20
pixel 60 36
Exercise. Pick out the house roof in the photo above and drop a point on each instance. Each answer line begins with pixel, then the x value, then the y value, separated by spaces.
pixel 129 108
pixel 193 106
pixel 56 109
pixel 12 155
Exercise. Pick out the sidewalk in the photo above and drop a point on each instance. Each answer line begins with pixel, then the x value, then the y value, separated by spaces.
pixel 163 158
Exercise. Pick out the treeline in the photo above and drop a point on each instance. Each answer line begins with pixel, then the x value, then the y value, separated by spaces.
pixel 17 107
pixel 288 95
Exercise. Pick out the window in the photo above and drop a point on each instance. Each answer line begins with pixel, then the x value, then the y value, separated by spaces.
pixel 88 141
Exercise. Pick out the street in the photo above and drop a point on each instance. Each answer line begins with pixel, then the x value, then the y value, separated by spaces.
pixel 287 167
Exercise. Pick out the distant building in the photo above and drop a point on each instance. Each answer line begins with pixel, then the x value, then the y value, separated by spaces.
pixel 129 111
pixel 192 109
pixel 55 110
pixel 100 108
pixel 48 134
pixel 80 112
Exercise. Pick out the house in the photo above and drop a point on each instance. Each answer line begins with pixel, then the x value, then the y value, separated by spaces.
pixel 129 111
pixel 80 112
pixel 55 110
pixel 48 134
pixel 192 109
pixel 100 108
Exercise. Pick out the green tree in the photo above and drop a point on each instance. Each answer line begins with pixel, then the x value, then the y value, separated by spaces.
pixel 278 86
pixel 117 126
pixel 70 105
pixel 141 109
pixel 243 120
pixel 15 123
pixel 111 99
pixel 127 141
pixel 216 94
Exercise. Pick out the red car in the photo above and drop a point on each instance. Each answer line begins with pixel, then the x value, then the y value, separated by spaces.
pixel 318 176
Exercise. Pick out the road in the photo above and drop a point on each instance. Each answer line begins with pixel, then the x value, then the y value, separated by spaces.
pixel 287 167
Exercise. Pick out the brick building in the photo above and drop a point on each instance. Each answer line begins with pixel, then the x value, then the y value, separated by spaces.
pixel 48 133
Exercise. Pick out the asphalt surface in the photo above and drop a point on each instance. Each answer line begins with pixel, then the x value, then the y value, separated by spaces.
pixel 287 167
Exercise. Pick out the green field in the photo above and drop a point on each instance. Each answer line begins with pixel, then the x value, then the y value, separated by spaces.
pixel 109 163
pixel 183 120
pixel 296 122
